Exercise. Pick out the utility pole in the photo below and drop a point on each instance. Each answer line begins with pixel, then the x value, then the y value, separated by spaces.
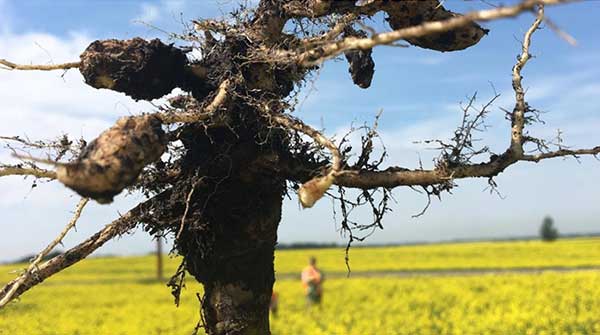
pixel 159 260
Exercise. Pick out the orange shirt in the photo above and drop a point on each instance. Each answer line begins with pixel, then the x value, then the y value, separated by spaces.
pixel 311 274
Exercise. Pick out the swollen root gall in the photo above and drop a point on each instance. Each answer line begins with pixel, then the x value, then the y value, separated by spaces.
pixel 114 160
pixel 141 69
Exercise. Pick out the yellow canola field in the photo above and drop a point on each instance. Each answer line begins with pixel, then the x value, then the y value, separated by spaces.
pixel 548 303
pixel 581 252
pixel 575 252
pixel 119 295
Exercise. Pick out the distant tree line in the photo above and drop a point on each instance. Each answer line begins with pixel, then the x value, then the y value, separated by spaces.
pixel 28 258
pixel 306 245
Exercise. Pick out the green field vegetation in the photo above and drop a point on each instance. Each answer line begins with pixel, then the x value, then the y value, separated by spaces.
pixel 120 296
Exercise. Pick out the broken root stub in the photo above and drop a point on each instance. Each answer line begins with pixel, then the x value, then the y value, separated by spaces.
pixel 314 189
pixel 141 69
pixel 114 160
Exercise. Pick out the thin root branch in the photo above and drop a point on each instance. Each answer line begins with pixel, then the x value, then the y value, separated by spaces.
pixel 12 66
pixel 32 269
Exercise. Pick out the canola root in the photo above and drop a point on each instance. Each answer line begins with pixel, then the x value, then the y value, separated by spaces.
pixel 314 189
pixel 141 69
pixel 114 160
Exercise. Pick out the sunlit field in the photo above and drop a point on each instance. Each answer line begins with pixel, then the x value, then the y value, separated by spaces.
pixel 480 255
pixel 121 296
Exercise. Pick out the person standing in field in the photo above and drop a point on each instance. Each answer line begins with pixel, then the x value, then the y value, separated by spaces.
pixel 312 280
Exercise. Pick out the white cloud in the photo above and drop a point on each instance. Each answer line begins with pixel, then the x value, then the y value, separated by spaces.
pixel 45 105
pixel 148 13
pixel 165 9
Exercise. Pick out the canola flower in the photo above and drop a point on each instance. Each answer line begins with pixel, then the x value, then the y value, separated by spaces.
pixel 575 252
pixel 119 296
pixel 548 303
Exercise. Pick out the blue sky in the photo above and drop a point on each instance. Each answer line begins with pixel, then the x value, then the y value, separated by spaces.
pixel 418 90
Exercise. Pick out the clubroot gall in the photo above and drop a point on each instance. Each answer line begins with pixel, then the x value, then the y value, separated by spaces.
pixel 143 70
pixel 114 160
pixel 216 179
